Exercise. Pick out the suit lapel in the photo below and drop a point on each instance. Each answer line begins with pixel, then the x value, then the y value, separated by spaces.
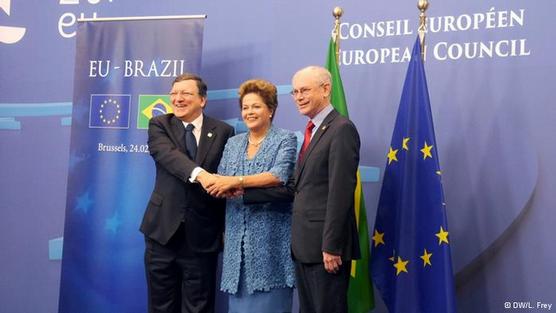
pixel 208 135
pixel 323 127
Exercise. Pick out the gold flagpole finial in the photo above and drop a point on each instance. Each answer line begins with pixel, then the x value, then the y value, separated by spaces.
pixel 422 5
pixel 337 13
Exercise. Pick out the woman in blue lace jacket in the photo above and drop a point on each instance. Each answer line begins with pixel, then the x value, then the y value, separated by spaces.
pixel 258 272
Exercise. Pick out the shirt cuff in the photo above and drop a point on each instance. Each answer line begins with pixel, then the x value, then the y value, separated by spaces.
pixel 194 173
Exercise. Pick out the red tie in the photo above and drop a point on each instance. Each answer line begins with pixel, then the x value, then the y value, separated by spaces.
pixel 306 139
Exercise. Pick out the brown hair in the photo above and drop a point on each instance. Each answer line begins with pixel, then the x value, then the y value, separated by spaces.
pixel 201 86
pixel 264 89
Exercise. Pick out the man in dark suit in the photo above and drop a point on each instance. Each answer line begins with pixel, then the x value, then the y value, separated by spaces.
pixel 324 231
pixel 183 225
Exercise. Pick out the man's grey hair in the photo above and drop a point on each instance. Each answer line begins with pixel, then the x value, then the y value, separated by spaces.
pixel 321 74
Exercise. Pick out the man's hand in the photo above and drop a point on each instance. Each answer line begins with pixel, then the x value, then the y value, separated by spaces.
pixel 206 179
pixel 224 185
pixel 331 262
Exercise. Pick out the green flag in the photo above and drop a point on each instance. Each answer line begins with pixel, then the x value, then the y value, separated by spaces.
pixel 360 292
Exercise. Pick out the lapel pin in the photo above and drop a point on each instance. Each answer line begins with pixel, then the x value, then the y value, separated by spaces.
pixel 209 135
pixel 324 127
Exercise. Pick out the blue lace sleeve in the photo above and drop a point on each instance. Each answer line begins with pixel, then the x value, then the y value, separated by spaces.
pixel 285 157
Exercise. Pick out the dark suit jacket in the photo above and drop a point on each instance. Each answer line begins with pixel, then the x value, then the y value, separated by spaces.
pixel 175 199
pixel 323 209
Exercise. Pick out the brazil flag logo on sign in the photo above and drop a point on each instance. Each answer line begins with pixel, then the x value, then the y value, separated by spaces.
pixel 151 106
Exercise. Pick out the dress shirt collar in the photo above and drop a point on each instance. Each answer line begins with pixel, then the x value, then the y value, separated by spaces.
pixel 319 118
pixel 198 123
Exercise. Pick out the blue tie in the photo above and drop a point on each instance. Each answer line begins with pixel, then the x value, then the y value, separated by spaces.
pixel 190 142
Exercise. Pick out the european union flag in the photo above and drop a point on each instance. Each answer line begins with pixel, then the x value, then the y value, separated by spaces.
pixel 410 257
pixel 109 111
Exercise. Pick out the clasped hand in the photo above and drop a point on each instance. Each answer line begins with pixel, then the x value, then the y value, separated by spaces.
pixel 220 186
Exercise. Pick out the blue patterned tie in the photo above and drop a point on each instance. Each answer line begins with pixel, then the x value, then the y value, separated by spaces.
pixel 190 142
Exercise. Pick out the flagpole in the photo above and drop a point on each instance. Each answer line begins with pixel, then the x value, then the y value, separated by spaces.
pixel 337 12
pixel 422 5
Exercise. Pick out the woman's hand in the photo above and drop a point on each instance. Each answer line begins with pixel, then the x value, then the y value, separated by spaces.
pixel 234 193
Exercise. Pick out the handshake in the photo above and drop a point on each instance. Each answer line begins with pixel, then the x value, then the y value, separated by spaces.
pixel 221 186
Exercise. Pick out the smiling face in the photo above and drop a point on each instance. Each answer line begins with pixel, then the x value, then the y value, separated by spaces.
pixel 310 92
pixel 255 113
pixel 186 101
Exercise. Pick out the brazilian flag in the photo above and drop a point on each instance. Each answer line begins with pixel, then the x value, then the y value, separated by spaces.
pixel 360 292
pixel 151 106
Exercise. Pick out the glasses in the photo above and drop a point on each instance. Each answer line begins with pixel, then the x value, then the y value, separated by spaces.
pixel 303 91
pixel 182 93
pixel 300 92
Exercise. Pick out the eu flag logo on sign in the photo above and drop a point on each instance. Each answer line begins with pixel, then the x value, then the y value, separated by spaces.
pixel 410 257
pixel 109 111
pixel 151 106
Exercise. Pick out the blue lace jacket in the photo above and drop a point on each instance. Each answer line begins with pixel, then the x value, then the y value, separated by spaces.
pixel 259 233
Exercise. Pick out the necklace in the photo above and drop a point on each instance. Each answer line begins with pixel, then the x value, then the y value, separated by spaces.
pixel 256 144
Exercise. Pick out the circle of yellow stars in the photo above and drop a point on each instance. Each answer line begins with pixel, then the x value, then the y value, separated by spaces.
pixel 378 237
pixel 401 264
pixel 103 117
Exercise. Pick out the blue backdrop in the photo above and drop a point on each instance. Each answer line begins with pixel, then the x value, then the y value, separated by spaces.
pixel 120 67
pixel 490 75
